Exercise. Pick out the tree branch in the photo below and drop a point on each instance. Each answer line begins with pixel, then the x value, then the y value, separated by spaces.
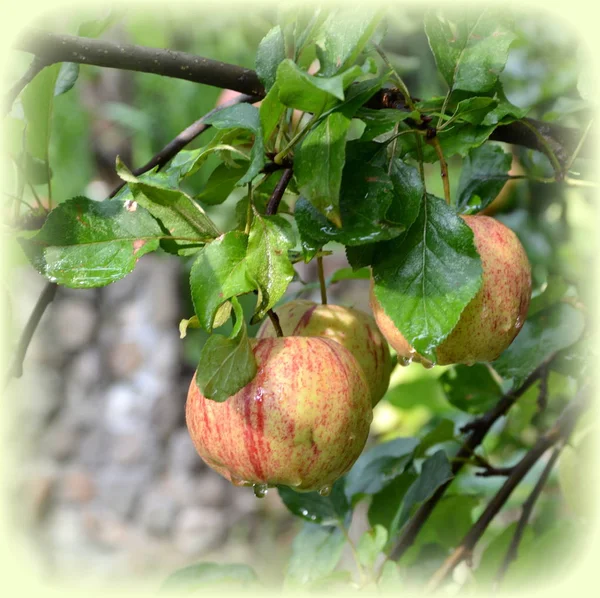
pixel 37 64
pixel 561 430
pixel 478 429
pixel 54 48
pixel 528 505
pixel 16 368
pixel 276 196
pixel 186 136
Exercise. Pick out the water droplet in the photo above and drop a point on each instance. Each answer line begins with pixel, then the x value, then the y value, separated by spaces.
pixel 427 364
pixel 404 361
pixel 325 491
pixel 260 490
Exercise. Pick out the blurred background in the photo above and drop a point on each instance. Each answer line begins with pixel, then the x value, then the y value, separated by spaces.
pixel 105 484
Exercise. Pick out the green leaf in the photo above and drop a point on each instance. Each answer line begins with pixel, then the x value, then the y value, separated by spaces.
pixel 268 264
pixel 435 472
pixel 95 27
pixel 270 111
pixel 555 290
pixel 67 76
pixel 188 162
pixel 443 432
pixel 243 116
pixel 311 506
pixel 408 191
pixel 456 139
pixel 370 545
pixel 428 276
pixel 316 551
pixel 271 52
pixel 358 94
pixel 473 110
pixel 184 324
pixel 385 503
pixel 85 243
pixel 198 578
pixel 227 364
pixel 319 163
pixel 343 36
pixel 484 173
pixel 179 215
pixel 298 89
pixel 379 122
pixel 218 274
pixel 494 554
pixel 350 274
pixel 504 112
pixel 543 334
pixel 365 199
pixel 450 520
pixel 376 467
pixel 37 99
pixel 219 186
pixel 471 388
pixel 470 47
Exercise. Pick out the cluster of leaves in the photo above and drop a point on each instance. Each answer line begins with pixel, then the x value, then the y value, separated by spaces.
pixel 354 182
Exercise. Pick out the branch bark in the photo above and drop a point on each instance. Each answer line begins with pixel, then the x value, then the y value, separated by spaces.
pixel 16 368
pixel 37 64
pixel 560 431
pixel 478 429
pixel 52 48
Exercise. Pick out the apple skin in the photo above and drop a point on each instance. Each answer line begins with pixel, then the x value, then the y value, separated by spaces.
pixel 302 422
pixel 352 328
pixel 493 318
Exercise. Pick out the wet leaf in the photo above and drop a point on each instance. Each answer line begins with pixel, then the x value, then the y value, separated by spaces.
pixel 428 276
pixel 85 243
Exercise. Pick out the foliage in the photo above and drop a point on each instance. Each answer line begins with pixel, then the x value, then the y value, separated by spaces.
pixel 360 184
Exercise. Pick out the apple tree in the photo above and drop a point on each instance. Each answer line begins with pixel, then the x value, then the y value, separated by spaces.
pixel 327 148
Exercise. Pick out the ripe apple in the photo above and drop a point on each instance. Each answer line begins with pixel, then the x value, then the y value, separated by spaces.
pixel 352 328
pixel 302 422
pixel 493 318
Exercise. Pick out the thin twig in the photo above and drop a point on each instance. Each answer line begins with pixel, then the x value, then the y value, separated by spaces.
pixel 37 65
pixel 16 368
pixel 275 199
pixel 174 146
pixel 435 142
pixel 560 431
pixel 528 505
pixel 579 146
pixel 322 283
pixel 478 429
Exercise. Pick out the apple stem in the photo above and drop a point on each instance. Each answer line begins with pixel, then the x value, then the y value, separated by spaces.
pixel 275 321
pixel 322 280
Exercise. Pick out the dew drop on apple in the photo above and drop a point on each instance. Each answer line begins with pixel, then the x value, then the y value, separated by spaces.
pixel 260 490
pixel 325 491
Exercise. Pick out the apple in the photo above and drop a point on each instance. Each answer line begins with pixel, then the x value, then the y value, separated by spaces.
pixel 493 318
pixel 352 328
pixel 301 422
